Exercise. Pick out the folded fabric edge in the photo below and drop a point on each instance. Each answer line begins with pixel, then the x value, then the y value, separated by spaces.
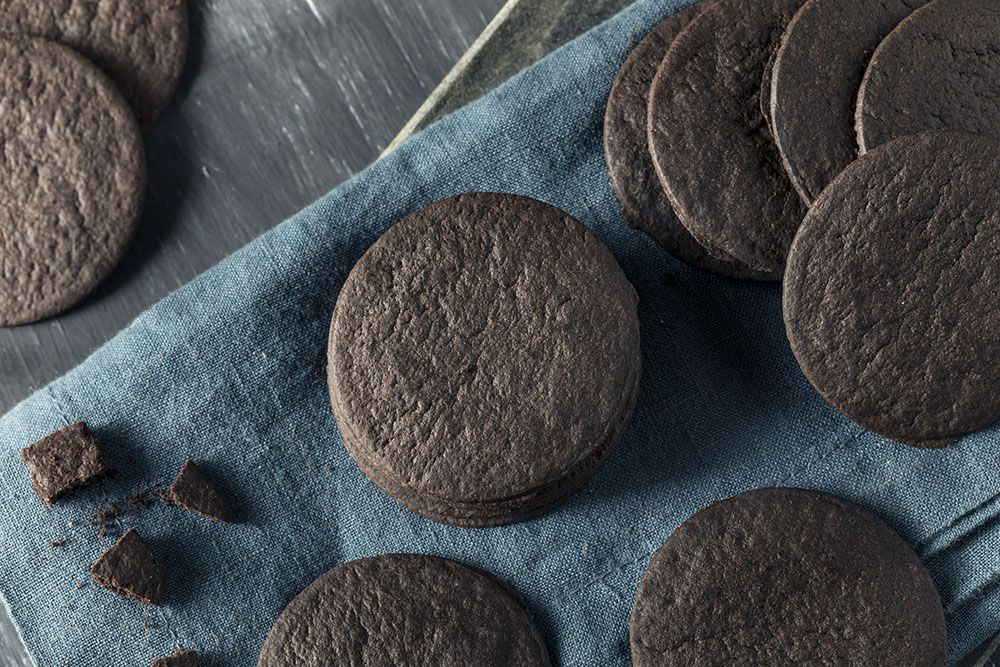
pixel 7 619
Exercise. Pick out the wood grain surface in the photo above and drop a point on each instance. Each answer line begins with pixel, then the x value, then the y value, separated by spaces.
pixel 522 33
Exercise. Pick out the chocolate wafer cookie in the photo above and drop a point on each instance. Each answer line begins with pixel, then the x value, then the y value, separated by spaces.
pixel 939 69
pixel 72 178
pixel 787 577
pixel 645 205
pixel 709 141
pixel 890 292
pixel 817 72
pixel 140 44
pixel 484 358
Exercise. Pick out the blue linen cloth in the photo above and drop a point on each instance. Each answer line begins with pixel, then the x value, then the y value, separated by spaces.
pixel 230 371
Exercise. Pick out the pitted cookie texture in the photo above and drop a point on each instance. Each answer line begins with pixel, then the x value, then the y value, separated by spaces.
pixel 818 70
pixel 708 138
pixel 193 490
pixel 72 178
pixel 65 461
pixel 140 44
pixel 129 568
pixel 405 609
pixel 787 577
pixel 890 293
pixel 939 69
pixel 645 205
pixel 485 352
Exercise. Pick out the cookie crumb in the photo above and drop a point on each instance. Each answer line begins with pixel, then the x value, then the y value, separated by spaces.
pixel 193 491
pixel 129 568
pixel 64 462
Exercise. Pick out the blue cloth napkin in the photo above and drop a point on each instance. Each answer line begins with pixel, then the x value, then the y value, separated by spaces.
pixel 230 371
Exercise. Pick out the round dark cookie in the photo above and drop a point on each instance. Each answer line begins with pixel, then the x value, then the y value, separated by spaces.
pixel 141 44
pixel 645 205
pixel 404 609
pixel 939 69
pixel 484 349
pixel 709 142
pixel 72 178
pixel 787 577
pixel 818 70
pixel 890 292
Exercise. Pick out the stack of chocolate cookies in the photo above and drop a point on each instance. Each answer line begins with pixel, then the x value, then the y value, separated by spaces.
pixel 79 82
pixel 484 359
pixel 847 149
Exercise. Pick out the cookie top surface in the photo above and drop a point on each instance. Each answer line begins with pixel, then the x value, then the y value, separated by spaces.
pixel 140 44
pixel 709 141
pixel 404 609
pixel 817 73
pixel 483 347
pixel 645 205
pixel 129 568
pixel 193 490
pixel 787 577
pixel 72 178
pixel 64 461
pixel 890 292
pixel 939 69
